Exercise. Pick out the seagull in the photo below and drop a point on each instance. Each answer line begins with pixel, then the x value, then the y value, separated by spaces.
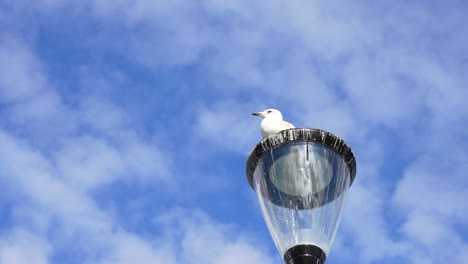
pixel 272 122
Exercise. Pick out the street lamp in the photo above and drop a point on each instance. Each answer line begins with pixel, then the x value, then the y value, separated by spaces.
pixel 301 177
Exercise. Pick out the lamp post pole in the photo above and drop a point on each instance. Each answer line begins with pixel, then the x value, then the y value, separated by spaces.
pixel 301 177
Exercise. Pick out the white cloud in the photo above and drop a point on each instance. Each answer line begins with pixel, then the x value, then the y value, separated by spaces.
pixel 21 75
pixel 429 198
pixel 88 162
pixel 364 221
pixel 427 232
pixel 22 247
pixel 126 248
pixel 204 240
pixel 36 179
pixel 103 116
pixel 434 184
pixel 230 125
pixel 30 100
pixel 54 199
pixel 137 155
pixel 53 188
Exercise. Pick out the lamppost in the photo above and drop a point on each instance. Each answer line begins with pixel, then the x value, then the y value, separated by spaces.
pixel 301 177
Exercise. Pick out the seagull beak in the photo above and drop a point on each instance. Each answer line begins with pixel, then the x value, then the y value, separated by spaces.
pixel 257 113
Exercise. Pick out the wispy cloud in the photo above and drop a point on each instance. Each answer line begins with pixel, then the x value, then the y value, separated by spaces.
pixel 22 247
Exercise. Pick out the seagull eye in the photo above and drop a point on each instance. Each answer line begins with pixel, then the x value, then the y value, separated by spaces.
pixel 269 111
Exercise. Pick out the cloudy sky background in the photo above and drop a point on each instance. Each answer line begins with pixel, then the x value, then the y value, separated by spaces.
pixel 125 126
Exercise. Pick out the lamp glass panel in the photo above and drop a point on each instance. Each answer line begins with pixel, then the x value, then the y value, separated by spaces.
pixel 302 188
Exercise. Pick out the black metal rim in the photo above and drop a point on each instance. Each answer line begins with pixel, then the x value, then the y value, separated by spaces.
pixel 304 252
pixel 296 135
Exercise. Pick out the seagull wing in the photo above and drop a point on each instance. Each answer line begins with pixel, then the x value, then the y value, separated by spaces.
pixel 287 125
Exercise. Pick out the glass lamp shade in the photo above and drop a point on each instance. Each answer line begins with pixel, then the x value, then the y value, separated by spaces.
pixel 301 177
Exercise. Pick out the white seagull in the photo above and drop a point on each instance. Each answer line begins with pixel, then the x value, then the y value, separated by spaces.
pixel 272 122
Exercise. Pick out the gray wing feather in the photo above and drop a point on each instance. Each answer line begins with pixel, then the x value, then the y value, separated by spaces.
pixel 287 124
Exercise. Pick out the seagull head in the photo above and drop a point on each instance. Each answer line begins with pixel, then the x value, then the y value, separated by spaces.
pixel 269 113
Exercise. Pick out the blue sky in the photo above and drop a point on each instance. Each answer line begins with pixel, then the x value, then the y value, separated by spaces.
pixel 125 126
